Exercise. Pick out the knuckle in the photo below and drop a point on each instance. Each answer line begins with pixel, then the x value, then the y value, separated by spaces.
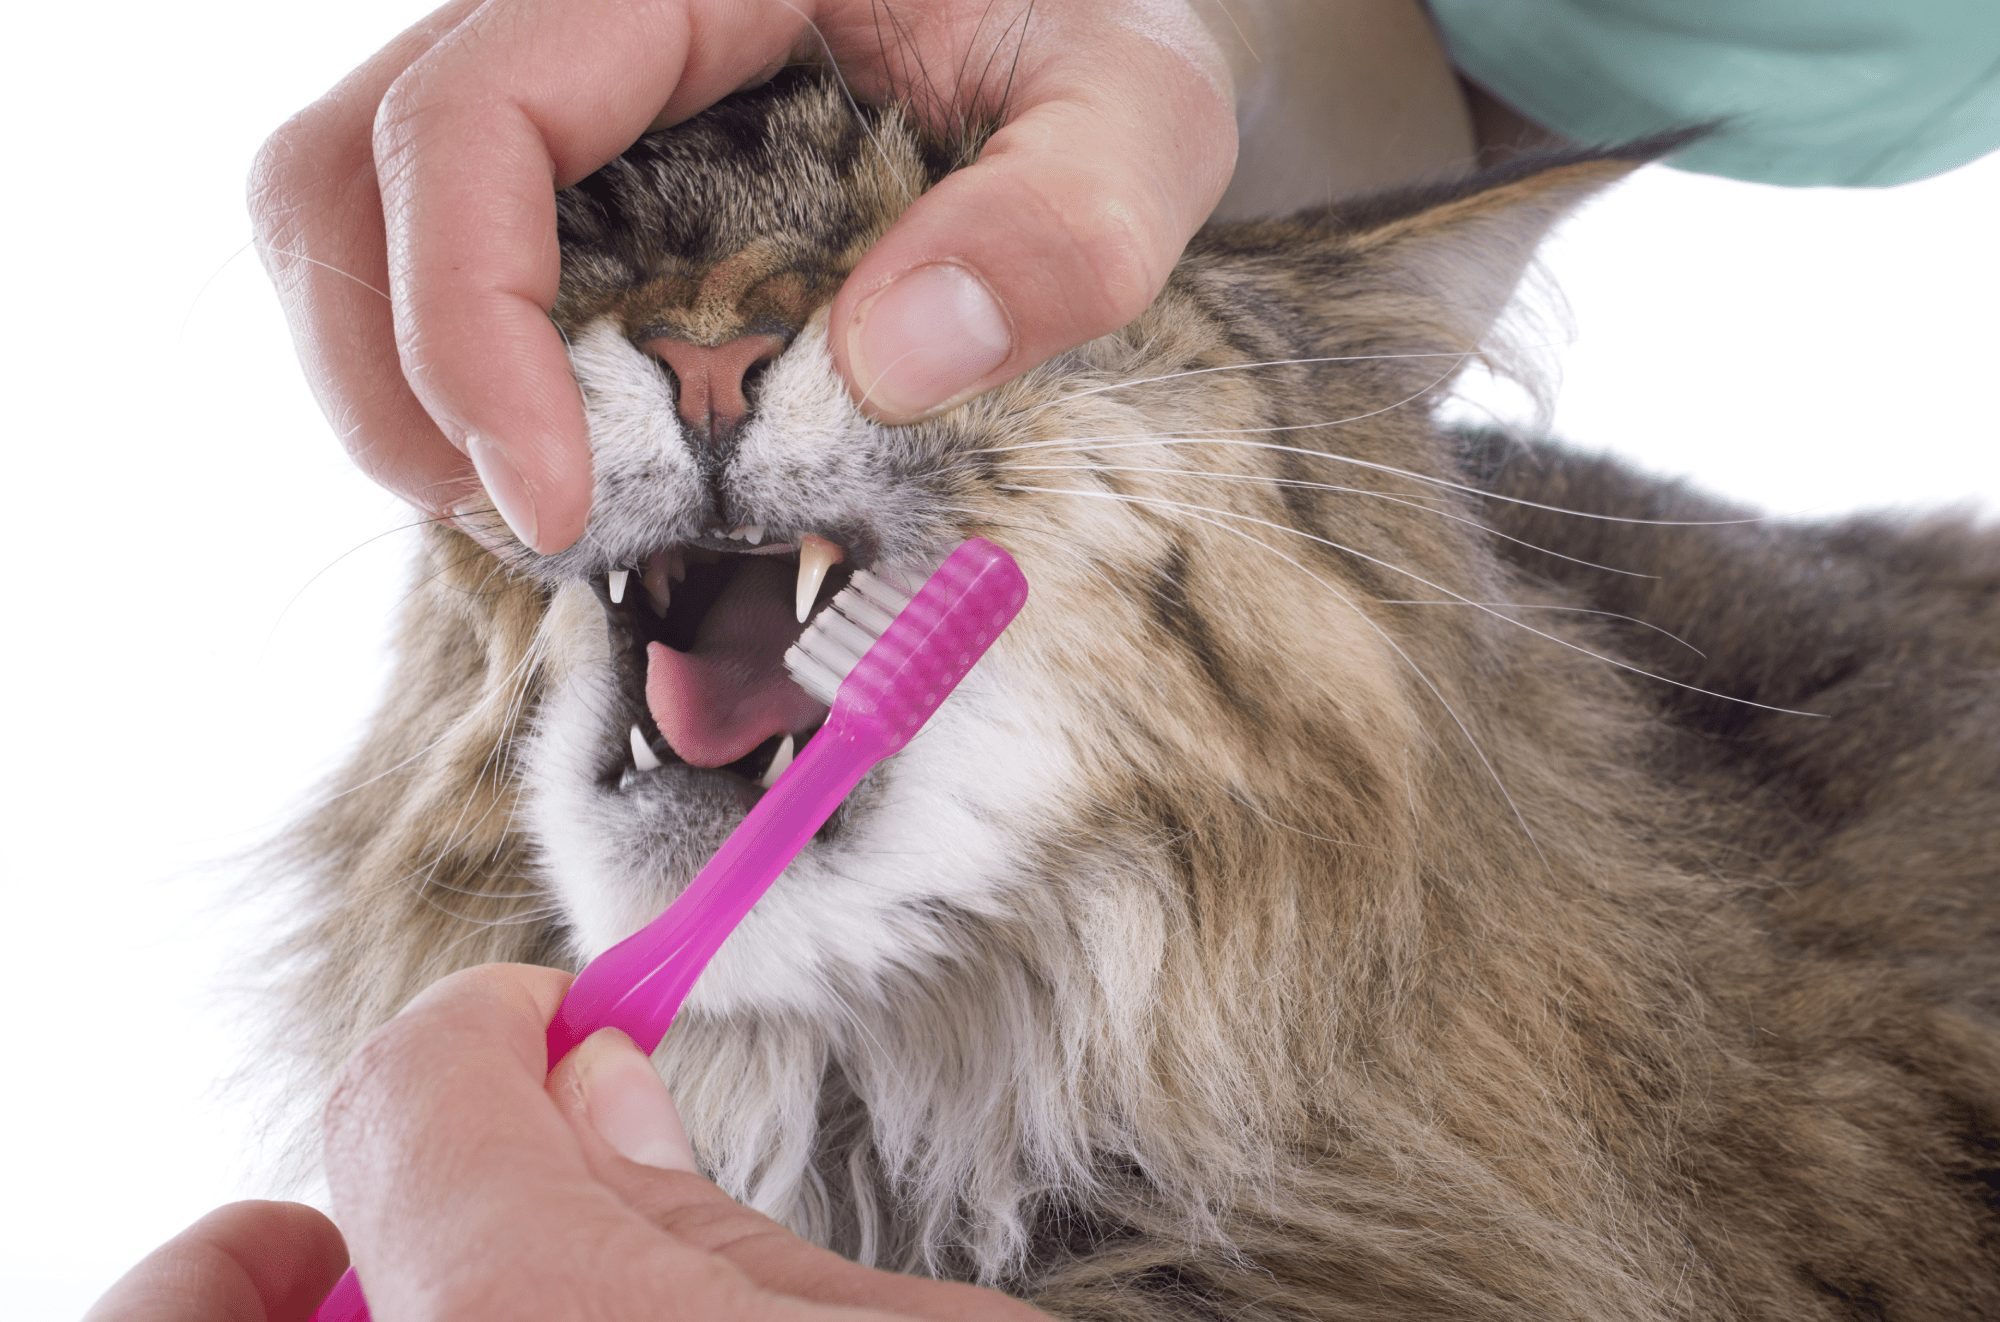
pixel 281 176
pixel 1121 256
pixel 406 121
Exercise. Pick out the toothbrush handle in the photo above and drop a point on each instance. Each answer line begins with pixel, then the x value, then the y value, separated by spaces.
pixel 638 984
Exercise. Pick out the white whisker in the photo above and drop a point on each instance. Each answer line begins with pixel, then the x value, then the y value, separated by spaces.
pixel 1347 601
pixel 1298 483
pixel 1461 355
pixel 1542 606
pixel 1436 587
pixel 860 117
pixel 1224 436
pixel 327 266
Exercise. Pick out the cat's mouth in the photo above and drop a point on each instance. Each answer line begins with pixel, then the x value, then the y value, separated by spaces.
pixel 698 637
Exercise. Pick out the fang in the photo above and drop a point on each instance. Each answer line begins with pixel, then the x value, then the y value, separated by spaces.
pixel 642 753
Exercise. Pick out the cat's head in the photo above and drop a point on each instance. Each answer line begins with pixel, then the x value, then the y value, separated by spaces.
pixel 1218 508
pixel 1264 726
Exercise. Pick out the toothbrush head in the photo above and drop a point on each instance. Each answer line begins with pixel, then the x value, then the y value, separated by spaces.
pixel 884 651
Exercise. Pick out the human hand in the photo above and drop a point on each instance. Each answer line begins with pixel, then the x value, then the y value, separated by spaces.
pixel 408 222
pixel 470 1186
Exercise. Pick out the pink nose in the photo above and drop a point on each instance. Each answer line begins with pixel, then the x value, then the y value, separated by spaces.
pixel 711 398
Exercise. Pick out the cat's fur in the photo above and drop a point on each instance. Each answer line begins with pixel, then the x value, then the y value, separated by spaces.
pixel 1307 910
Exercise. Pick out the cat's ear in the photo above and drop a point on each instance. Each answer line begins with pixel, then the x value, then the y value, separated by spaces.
pixel 1453 253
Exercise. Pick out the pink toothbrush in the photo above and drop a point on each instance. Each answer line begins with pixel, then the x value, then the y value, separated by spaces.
pixel 882 660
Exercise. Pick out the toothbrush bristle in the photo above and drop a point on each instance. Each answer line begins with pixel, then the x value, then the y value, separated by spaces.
pixel 826 654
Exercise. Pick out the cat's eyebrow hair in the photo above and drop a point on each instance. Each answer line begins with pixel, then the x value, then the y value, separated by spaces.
pixel 1224 436
pixel 1194 512
pixel 1325 486
pixel 1198 510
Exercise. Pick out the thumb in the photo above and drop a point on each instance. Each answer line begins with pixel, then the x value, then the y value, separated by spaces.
pixel 1064 229
pixel 613 1098
pixel 634 1144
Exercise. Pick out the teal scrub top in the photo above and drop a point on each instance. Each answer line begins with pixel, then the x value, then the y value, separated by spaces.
pixel 1850 92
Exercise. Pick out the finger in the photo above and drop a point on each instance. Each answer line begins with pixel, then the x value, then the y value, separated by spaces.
pixel 317 214
pixel 469 145
pixel 631 1138
pixel 247 1262
pixel 463 1192
pixel 1120 138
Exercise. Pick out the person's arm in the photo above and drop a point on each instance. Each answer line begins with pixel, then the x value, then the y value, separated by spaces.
pixel 1846 92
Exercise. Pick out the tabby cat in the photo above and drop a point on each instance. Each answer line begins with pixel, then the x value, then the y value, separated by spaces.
pixel 1343 893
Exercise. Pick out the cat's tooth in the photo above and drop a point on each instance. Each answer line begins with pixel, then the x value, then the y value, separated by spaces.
pixel 752 533
pixel 816 556
pixel 618 577
pixel 642 753
pixel 779 761
pixel 658 581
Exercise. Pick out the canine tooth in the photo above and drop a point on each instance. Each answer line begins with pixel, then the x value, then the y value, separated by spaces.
pixel 659 581
pixel 779 761
pixel 816 556
pixel 618 577
pixel 642 753
pixel 752 533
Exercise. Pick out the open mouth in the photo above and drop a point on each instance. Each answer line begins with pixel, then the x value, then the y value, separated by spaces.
pixel 698 638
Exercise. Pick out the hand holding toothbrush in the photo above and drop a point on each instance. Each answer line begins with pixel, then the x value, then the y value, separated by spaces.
pixel 469 1188
pixel 883 655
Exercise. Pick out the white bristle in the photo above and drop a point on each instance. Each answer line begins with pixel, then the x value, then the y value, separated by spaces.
pixel 886 593
pixel 842 633
pixel 836 628
pixel 811 675
pixel 863 611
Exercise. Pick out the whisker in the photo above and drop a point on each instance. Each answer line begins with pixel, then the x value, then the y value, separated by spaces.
pixel 1461 355
pixel 1325 486
pixel 301 257
pixel 1224 436
pixel 332 564
pixel 213 276
pixel 1437 587
pixel 1347 601
pixel 860 118
pixel 1543 606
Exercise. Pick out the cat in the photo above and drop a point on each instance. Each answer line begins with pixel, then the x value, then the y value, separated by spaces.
pixel 1386 871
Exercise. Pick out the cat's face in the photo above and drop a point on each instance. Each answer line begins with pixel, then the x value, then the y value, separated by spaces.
pixel 1212 508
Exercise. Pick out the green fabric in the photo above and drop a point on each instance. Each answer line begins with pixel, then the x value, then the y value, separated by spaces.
pixel 1853 92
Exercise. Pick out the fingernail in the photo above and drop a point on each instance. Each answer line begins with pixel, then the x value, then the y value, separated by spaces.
pixel 628 1105
pixel 503 483
pixel 925 338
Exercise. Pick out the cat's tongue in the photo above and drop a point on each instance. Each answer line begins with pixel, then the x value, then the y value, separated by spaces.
pixel 730 693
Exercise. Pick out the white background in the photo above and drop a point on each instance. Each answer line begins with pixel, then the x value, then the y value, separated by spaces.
pixel 199 582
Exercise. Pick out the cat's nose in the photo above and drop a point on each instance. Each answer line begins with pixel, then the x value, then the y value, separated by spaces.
pixel 711 380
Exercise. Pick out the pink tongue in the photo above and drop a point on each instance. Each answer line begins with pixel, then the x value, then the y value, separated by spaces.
pixel 731 693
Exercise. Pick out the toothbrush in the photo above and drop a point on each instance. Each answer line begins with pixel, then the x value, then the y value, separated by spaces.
pixel 882 660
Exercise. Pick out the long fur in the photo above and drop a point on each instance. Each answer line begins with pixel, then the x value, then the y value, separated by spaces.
pixel 1319 905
